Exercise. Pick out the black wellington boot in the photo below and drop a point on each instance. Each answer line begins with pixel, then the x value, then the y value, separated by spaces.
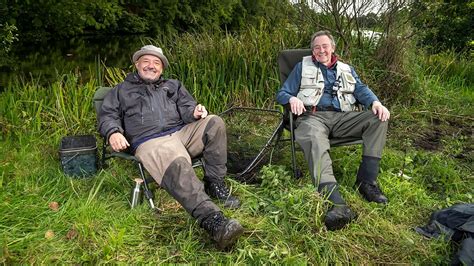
pixel 366 181
pixel 371 192
pixel 339 215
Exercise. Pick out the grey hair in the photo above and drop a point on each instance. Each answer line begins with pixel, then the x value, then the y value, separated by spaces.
pixel 323 33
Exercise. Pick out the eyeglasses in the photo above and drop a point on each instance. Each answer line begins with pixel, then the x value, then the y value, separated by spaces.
pixel 324 46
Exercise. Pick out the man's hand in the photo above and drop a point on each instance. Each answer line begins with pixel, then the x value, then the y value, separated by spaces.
pixel 381 111
pixel 200 111
pixel 118 142
pixel 297 106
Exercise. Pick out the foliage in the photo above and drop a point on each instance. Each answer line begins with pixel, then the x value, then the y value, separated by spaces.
pixel 8 36
pixel 55 111
pixel 50 19
pixel 449 66
pixel 436 114
pixel 444 24
pixel 376 52
pixel 37 20
pixel 223 69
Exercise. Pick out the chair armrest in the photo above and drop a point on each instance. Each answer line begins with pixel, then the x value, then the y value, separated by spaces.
pixel 123 155
pixel 286 116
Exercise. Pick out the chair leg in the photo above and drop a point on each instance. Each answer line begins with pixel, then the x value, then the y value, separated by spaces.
pixel 103 158
pixel 148 194
pixel 293 153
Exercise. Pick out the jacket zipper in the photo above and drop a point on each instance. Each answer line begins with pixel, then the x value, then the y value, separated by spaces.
pixel 141 111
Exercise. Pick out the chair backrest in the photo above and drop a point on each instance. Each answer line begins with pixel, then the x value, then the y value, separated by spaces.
pixel 99 96
pixel 287 59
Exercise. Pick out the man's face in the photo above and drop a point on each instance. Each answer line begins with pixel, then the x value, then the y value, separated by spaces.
pixel 323 49
pixel 149 67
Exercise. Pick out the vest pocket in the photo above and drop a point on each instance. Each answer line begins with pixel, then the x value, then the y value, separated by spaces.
pixel 348 83
pixel 309 97
pixel 309 77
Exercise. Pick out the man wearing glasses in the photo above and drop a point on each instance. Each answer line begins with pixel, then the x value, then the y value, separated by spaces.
pixel 324 93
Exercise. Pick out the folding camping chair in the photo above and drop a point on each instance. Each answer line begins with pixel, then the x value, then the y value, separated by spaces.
pixel 287 59
pixel 107 153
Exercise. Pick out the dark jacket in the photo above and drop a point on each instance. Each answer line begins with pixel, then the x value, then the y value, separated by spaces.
pixel 138 109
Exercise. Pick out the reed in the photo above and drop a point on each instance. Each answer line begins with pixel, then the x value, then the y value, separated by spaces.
pixel 222 69
pixel 219 68
pixel 64 107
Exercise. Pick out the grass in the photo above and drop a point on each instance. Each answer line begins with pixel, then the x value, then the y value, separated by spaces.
pixel 427 165
pixel 282 217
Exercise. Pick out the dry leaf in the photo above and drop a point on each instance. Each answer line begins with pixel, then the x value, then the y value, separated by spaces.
pixel 49 234
pixel 71 234
pixel 54 206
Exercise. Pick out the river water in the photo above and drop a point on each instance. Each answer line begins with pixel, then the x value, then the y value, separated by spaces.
pixel 43 62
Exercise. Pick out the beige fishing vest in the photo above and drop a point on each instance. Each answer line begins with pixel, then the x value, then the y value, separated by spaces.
pixel 312 85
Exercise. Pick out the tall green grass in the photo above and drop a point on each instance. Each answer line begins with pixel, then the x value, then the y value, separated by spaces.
pixel 222 69
pixel 64 107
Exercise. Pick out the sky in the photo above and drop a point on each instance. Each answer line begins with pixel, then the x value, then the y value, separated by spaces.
pixel 374 6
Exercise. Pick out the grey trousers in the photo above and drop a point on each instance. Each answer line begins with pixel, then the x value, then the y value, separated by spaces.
pixel 314 130
pixel 168 160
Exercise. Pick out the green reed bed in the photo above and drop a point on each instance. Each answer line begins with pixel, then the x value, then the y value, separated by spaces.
pixel 64 107
pixel 222 69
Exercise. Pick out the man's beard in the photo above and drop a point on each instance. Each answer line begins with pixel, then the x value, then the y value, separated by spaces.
pixel 150 81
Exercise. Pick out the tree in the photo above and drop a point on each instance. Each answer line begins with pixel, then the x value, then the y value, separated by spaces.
pixel 8 36
pixel 443 24
pixel 56 19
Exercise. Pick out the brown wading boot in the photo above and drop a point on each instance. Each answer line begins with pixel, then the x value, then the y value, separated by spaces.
pixel 219 191
pixel 222 230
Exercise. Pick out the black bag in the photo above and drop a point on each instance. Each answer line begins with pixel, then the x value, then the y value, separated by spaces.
pixel 455 223
pixel 78 155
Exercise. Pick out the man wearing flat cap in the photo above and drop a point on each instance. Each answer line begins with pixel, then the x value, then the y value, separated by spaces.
pixel 159 121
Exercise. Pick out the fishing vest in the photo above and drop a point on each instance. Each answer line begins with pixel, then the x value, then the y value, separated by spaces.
pixel 312 85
